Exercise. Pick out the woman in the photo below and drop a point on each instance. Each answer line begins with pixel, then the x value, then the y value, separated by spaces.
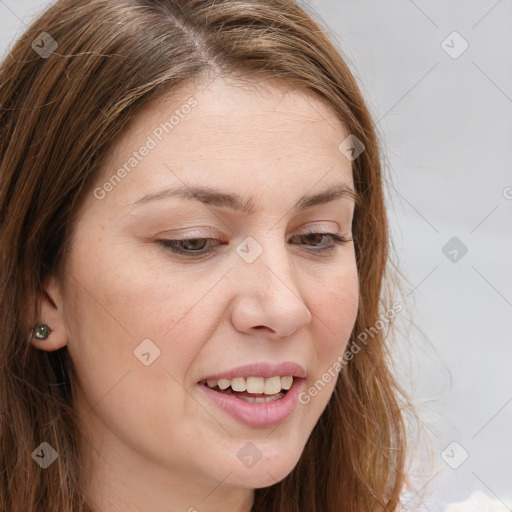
pixel 195 243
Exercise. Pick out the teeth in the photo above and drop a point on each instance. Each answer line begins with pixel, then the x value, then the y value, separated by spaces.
pixel 272 385
pixel 256 385
pixel 238 384
pixel 223 383
pixel 261 400
pixel 286 382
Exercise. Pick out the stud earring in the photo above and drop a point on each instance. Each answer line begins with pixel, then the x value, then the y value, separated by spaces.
pixel 41 332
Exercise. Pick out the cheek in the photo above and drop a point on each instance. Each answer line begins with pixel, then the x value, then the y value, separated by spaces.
pixel 110 313
pixel 334 314
pixel 336 308
pixel 114 307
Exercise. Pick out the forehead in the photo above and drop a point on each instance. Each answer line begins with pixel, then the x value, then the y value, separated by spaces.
pixel 267 134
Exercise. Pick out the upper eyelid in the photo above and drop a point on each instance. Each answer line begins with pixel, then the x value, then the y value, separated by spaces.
pixel 211 232
pixel 336 238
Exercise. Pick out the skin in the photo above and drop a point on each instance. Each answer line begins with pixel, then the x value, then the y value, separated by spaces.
pixel 152 440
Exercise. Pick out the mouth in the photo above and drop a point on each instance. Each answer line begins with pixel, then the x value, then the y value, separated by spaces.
pixel 252 389
pixel 248 404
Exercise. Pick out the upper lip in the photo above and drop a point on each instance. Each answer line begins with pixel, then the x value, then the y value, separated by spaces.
pixel 262 369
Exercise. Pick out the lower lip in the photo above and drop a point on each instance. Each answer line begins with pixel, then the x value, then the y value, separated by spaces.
pixel 257 415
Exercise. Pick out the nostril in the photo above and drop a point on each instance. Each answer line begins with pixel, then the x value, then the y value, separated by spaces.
pixel 263 327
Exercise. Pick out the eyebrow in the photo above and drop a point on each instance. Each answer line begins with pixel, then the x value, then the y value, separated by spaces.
pixel 246 206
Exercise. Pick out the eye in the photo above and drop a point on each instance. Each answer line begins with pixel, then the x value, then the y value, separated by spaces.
pixel 199 247
pixel 333 237
pixel 188 246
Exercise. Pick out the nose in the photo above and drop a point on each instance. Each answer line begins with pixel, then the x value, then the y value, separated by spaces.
pixel 268 298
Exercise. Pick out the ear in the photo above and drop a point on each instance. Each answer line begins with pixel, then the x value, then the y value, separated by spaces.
pixel 52 314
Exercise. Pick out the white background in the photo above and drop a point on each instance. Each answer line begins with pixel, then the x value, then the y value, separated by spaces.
pixel 446 128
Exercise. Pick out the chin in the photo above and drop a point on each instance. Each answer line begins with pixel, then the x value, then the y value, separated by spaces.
pixel 264 473
pixel 257 480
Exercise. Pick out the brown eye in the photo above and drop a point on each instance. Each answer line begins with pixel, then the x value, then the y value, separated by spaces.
pixel 188 246
pixel 193 244
pixel 314 240
pixel 199 246
pixel 314 237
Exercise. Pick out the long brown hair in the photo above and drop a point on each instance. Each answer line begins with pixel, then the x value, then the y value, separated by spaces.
pixel 59 114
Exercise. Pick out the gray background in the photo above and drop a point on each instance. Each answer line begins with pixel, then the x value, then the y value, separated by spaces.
pixel 446 128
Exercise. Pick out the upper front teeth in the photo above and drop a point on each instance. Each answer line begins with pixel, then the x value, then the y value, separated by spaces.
pixel 269 386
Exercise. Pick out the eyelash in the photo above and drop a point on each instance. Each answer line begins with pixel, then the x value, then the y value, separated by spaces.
pixel 171 244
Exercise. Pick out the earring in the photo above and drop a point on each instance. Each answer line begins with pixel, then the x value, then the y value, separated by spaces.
pixel 41 332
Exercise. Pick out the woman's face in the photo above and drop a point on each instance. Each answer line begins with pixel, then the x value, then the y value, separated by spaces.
pixel 146 325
